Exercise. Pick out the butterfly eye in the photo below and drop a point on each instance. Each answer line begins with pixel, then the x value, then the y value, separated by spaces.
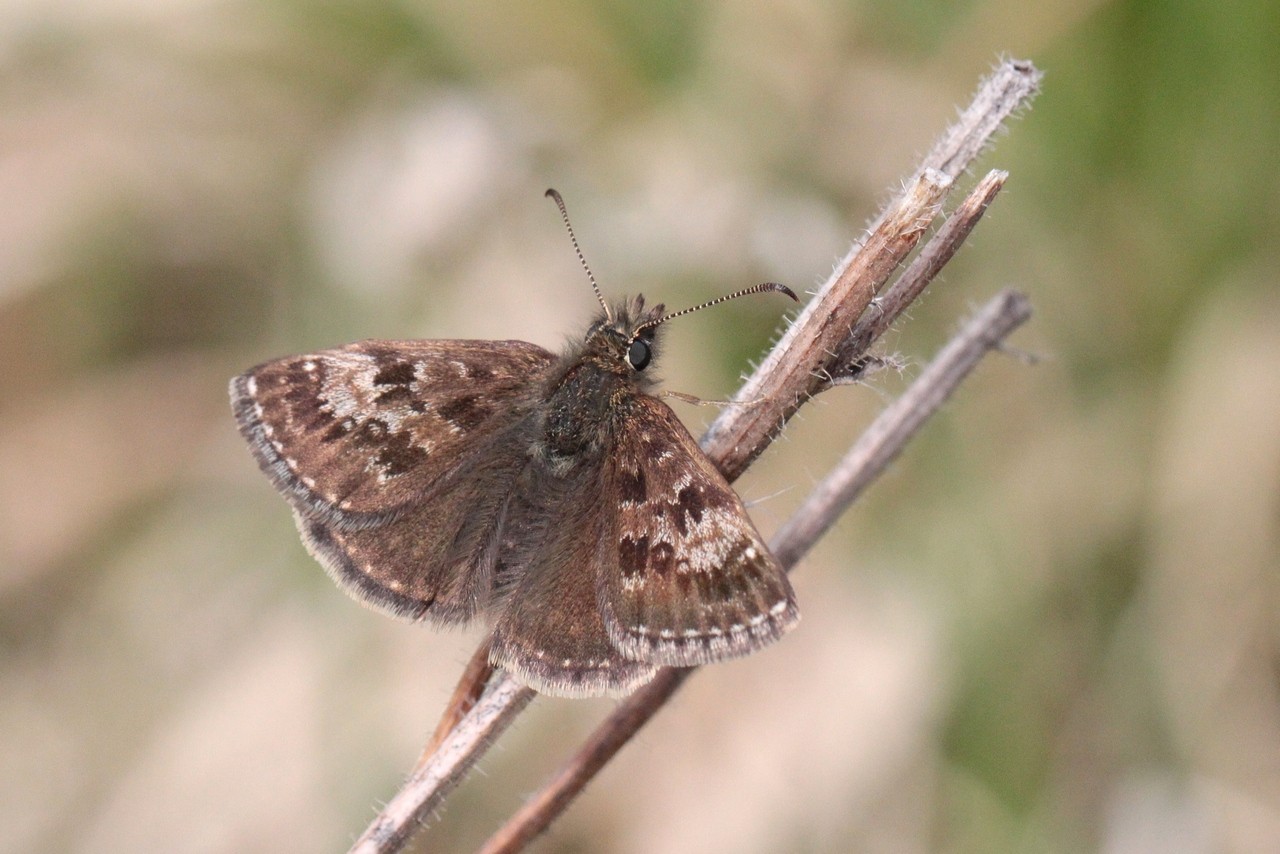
pixel 639 354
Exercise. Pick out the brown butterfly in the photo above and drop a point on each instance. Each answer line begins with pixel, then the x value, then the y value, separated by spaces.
pixel 552 495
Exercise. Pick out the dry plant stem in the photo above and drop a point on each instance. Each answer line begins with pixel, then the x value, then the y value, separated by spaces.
pixel 434 779
pixel 920 272
pixel 465 696
pixel 742 432
pixel 1008 89
pixel 556 794
pixel 872 453
pixel 890 432
pixel 802 366
pixel 800 363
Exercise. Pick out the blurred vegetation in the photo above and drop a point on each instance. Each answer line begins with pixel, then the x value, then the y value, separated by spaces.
pixel 1052 627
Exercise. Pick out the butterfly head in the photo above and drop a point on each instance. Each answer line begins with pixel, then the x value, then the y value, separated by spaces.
pixel 626 336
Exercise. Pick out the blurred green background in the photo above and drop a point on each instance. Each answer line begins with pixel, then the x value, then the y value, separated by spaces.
pixel 1051 627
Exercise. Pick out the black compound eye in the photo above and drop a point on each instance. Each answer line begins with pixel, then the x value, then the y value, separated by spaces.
pixel 639 354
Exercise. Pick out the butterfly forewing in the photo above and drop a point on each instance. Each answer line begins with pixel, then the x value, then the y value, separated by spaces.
pixel 690 581
pixel 354 435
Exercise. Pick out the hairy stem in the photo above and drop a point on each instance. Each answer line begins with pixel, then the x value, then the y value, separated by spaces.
pixel 831 332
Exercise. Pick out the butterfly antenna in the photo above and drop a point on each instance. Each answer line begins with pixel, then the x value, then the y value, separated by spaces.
pixel 762 288
pixel 564 215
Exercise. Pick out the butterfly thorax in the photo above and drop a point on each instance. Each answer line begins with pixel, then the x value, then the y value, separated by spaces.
pixel 594 381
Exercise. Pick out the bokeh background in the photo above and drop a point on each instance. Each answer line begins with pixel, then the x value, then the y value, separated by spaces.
pixel 1051 627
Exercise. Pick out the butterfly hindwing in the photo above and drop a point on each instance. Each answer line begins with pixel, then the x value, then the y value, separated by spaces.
pixel 354 435
pixel 550 633
pixel 435 559
pixel 689 579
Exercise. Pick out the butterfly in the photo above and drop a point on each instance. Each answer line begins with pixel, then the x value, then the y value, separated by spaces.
pixel 554 496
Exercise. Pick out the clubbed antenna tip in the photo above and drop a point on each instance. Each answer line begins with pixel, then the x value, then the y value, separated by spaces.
pixel 766 287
